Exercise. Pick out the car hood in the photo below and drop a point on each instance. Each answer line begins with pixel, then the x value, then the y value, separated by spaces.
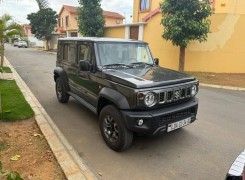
pixel 139 77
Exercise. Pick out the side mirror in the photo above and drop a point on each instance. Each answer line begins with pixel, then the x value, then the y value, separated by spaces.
pixel 156 61
pixel 84 65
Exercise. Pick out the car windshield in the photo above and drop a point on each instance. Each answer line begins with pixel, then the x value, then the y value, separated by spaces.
pixel 111 53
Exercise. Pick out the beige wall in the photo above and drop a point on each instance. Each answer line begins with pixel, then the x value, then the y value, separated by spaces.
pixel 73 23
pixel 113 21
pixel 230 6
pixel 72 20
pixel 224 50
pixel 165 51
pixel 114 32
pixel 139 15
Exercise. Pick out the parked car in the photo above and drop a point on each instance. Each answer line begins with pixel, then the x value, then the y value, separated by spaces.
pixel 22 44
pixel 118 80
pixel 237 169
pixel 16 43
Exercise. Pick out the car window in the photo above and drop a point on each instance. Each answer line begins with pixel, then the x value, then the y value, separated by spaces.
pixel 68 53
pixel 85 52
pixel 126 53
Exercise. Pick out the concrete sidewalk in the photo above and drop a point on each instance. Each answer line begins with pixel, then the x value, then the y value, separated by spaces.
pixel 7 76
pixel 71 163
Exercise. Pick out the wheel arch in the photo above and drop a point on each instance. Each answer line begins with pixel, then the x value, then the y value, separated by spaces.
pixel 59 72
pixel 109 96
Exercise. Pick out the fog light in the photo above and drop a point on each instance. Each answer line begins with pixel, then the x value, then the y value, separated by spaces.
pixel 140 122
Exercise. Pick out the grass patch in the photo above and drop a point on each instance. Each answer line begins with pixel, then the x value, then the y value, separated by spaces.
pixel 5 70
pixel 3 145
pixel 13 103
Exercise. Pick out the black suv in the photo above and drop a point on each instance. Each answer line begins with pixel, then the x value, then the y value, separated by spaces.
pixel 120 81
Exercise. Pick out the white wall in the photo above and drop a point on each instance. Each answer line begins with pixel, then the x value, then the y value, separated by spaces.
pixel 34 40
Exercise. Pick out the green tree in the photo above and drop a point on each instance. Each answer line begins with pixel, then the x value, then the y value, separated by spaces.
pixel 8 28
pixel 185 21
pixel 90 18
pixel 43 23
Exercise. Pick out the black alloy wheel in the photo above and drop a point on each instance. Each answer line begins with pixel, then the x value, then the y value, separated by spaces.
pixel 113 130
pixel 62 96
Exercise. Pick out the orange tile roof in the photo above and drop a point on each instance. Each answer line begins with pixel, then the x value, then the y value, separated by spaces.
pixel 112 14
pixel 73 9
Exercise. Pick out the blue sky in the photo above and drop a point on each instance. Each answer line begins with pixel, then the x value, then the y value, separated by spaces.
pixel 20 8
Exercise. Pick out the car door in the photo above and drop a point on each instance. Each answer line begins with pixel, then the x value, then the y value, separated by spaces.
pixel 87 80
pixel 69 64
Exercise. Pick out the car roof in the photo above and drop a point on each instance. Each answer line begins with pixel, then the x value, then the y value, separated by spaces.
pixel 97 39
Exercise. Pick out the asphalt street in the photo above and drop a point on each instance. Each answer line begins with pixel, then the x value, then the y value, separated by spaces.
pixel 202 150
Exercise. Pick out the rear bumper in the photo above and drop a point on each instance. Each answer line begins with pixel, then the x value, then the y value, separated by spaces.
pixel 156 121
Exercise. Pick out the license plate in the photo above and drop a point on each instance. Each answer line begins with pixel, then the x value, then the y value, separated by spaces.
pixel 178 124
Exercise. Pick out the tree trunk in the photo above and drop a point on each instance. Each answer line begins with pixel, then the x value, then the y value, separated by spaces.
pixel 47 48
pixel 2 53
pixel 182 59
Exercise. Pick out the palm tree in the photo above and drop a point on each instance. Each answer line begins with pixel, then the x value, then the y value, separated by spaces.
pixel 14 28
pixel 42 4
pixel 7 30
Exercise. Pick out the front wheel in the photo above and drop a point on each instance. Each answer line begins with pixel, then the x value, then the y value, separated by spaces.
pixel 62 96
pixel 113 130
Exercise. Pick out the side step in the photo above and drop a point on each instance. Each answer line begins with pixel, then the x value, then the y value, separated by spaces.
pixel 83 102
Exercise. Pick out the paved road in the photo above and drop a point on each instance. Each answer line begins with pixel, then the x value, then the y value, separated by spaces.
pixel 203 150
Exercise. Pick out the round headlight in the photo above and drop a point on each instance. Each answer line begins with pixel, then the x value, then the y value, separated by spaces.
pixel 193 90
pixel 150 99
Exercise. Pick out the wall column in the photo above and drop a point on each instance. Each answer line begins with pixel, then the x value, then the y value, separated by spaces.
pixel 141 32
pixel 127 32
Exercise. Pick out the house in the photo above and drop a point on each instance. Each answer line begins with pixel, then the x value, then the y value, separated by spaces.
pixel 34 42
pixel 68 22
pixel 112 18
pixel 222 53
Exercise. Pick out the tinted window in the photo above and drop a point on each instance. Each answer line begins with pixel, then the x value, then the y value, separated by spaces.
pixel 68 52
pixel 85 52
pixel 126 53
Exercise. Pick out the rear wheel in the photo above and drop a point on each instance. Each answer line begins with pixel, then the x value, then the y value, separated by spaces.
pixel 62 96
pixel 113 130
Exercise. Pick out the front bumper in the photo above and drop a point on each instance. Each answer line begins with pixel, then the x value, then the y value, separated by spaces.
pixel 156 121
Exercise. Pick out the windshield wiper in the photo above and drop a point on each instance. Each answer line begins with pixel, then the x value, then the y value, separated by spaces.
pixel 141 63
pixel 116 65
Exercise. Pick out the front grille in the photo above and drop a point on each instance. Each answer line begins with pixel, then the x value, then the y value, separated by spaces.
pixel 169 96
pixel 183 93
pixel 162 97
pixel 188 94
pixel 174 94
pixel 163 120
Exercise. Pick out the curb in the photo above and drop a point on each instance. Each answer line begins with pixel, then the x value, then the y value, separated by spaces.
pixel 223 87
pixel 71 163
pixel 54 53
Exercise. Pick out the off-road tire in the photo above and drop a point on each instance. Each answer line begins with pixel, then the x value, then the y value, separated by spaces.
pixel 62 96
pixel 124 136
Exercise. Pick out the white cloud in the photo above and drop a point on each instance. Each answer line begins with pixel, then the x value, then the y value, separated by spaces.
pixel 20 8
